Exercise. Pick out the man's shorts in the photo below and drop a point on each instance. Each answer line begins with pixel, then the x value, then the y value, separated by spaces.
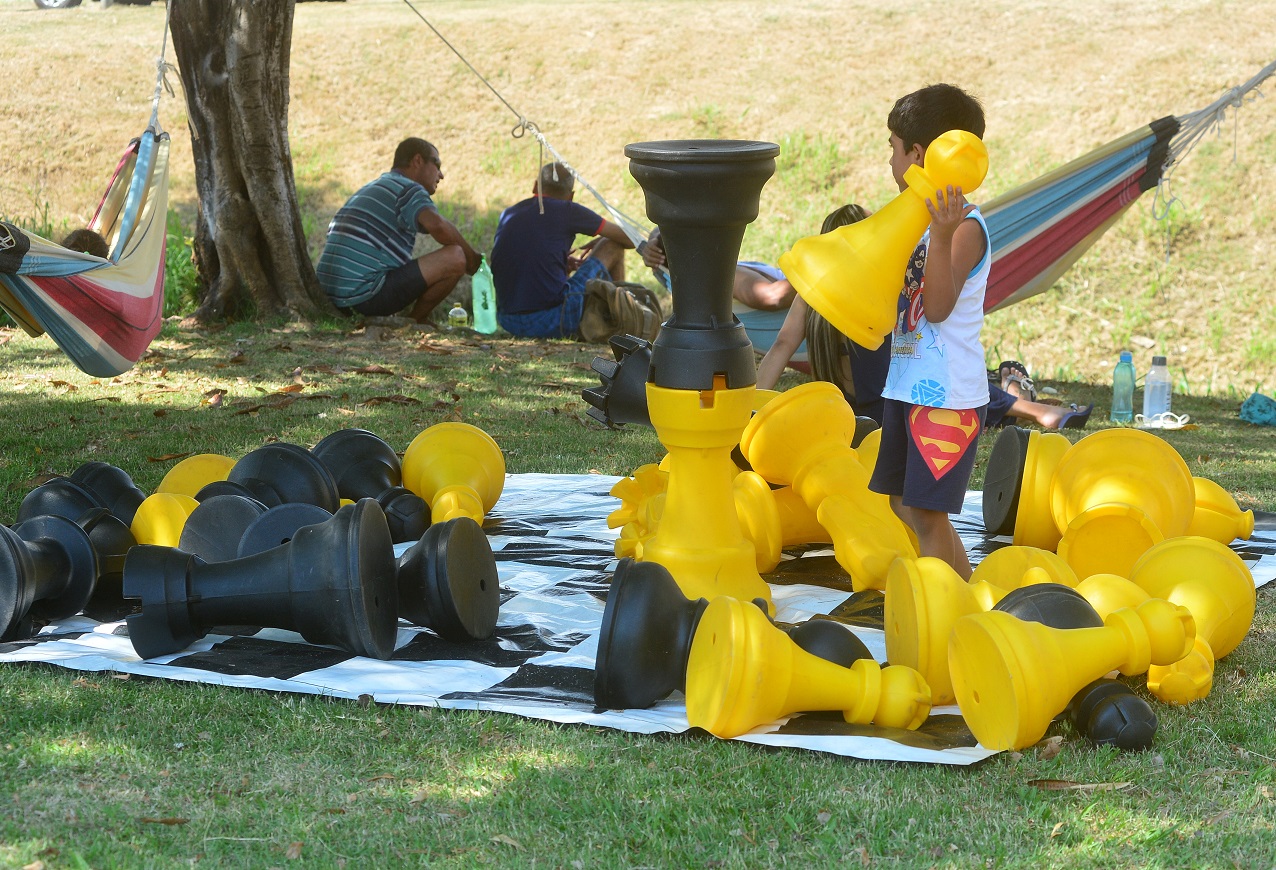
pixel 403 286
pixel 563 320
pixel 927 454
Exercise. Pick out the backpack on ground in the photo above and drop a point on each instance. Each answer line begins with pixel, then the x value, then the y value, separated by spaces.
pixel 621 308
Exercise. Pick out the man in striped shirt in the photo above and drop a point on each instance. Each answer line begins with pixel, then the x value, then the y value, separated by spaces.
pixel 367 264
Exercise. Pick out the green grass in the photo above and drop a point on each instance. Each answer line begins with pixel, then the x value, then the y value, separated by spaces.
pixel 91 761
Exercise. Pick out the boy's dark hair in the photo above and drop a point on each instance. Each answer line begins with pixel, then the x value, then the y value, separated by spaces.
pixel 88 242
pixel 410 148
pixel 918 118
pixel 847 214
pixel 562 186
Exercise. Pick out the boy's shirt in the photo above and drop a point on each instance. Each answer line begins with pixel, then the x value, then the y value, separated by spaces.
pixel 940 365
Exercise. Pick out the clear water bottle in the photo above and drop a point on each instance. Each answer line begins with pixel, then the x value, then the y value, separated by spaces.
pixel 483 299
pixel 458 317
pixel 1123 389
pixel 1156 392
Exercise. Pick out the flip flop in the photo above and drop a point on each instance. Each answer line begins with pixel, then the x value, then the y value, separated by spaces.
pixel 1014 372
pixel 1076 418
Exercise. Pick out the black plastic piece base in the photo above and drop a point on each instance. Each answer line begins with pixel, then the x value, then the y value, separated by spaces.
pixel 334 583
pixel 213 529
pixel 622 398
pixel 59 497
pixel 829 640
pixel 282 473
pixel 864 426
pixel 48 569
pixel 111 540
pixel 448 582
pixel 646 637
pixel 1108 713
pixel 702 193
pixel 1004 480
pixel 1051 604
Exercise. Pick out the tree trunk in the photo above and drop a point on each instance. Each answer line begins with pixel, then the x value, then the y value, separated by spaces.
pixel 249 246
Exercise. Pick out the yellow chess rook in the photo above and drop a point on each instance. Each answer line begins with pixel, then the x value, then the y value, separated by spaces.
pixel 852 276
pixel 457 468
pixel 1012 677
pixel 699 537
pixel 744 672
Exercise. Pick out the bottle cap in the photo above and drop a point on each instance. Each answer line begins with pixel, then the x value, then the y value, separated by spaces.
pixel 1126 356
pixel 1158 360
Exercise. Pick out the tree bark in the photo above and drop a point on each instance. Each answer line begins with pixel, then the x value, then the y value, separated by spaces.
pixel 249 245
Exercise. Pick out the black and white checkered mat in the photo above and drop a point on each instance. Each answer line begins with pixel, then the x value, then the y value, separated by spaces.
pixel 555 555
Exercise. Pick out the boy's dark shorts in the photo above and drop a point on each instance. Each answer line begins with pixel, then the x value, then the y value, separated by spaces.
pixel 403 286
pixel 927 454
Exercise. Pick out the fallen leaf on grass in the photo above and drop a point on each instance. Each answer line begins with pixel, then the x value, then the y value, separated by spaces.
pixel 1218 817
pixel 433 348
pixel 1056 830
pixel 396 399
pixel 168 820
pixel 34 865
pixel 69 387
pixel 291 388
pixel 372 370
pixel 380 776
pixel 419 797
pixel 1069 785
pixel 294 851
pixel 282 402
pixel 508 841
pixel 160 412
pixel 213 398
pixel 1049 748
pixel 166 457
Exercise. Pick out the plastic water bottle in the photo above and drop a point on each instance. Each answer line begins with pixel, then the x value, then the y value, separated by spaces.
pixel 458 317
pixel 1156 391
pixel 483 299
pixel 1123 389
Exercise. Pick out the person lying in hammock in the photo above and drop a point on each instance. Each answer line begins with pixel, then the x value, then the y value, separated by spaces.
pixel 860 373
pixel 87 241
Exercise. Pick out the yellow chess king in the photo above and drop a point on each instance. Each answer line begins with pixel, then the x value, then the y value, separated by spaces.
pixel 853 275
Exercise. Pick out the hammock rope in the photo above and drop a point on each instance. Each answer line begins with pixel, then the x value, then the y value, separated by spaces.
pixel 635 230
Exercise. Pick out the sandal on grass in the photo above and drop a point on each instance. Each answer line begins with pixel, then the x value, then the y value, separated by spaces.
pixel 1014 372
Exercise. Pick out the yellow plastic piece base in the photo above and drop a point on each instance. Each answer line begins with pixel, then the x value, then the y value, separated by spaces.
pixel 924 598
pixel 744 672
pixel 194 473
pixel 1217 516
pixel 1012 677
pixel 1034 523
pixel 1007 566
pixel 457 468
pixel 1108 539
pixel 161 517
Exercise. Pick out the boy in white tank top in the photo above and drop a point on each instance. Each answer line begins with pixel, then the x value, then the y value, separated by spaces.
pixel 937 386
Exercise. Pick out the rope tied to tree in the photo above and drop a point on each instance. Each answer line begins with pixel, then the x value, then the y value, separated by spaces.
pixel 162 70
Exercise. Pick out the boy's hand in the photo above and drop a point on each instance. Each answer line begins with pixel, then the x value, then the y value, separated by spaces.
pixel 947 211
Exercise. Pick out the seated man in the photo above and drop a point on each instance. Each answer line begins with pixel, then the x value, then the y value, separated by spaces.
pixel 532 258
pixel 367 264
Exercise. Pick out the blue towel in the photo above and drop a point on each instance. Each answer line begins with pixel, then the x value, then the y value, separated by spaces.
pixel 1259 409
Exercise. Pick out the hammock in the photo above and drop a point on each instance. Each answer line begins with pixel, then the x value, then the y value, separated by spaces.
pixel 103 313
pixel 1040 229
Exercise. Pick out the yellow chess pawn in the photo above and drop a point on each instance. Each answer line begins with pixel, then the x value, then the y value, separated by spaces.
pixel 194 473
pixel 161 517
pixel 1217 516
pixel 1012 677
pixel 457 468
pixel 744 672
pixel 1213 583
pixel 802 438
pixel 871 255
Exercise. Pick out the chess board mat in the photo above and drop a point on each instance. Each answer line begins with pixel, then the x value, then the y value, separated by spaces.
pixel 555 557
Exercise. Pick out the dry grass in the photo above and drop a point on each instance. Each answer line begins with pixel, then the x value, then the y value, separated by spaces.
pixel 1057 80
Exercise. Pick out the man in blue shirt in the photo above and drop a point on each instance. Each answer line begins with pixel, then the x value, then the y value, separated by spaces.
pixel 367 263
pixel 533 256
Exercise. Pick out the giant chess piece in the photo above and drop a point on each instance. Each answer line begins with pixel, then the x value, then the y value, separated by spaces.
pixel 1108 713
pixel 802 437
pixel 334 583
pixel 647 629
pixel 744 672
pixel 457 468
pixel 1216 514
pixel 448 581
pixel 215 527
pixel 364 466
pixel 194 473
pixel 280 473
pixel 1114 495
pixel 160 518
pixel 48 568
pixel 112 486
pixel 1212 582
pixel 1016 498
pixel 1013 677
pixel 622 397
pixel 700 385
pixel 872 255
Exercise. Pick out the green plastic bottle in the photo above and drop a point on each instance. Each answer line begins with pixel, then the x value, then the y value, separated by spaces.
pixel 483 299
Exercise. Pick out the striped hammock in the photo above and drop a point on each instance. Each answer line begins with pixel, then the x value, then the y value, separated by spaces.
pixel 103 313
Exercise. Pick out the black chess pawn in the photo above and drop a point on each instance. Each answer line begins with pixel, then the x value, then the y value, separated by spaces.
pixel 279 473
pixel 112 487
pixel 365 466
pixel 48 569
pixel 1108 713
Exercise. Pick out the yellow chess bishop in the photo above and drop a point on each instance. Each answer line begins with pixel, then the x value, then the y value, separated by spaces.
pixel 870 257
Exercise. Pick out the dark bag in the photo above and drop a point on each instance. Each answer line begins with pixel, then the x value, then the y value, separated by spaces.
pixel 619 309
